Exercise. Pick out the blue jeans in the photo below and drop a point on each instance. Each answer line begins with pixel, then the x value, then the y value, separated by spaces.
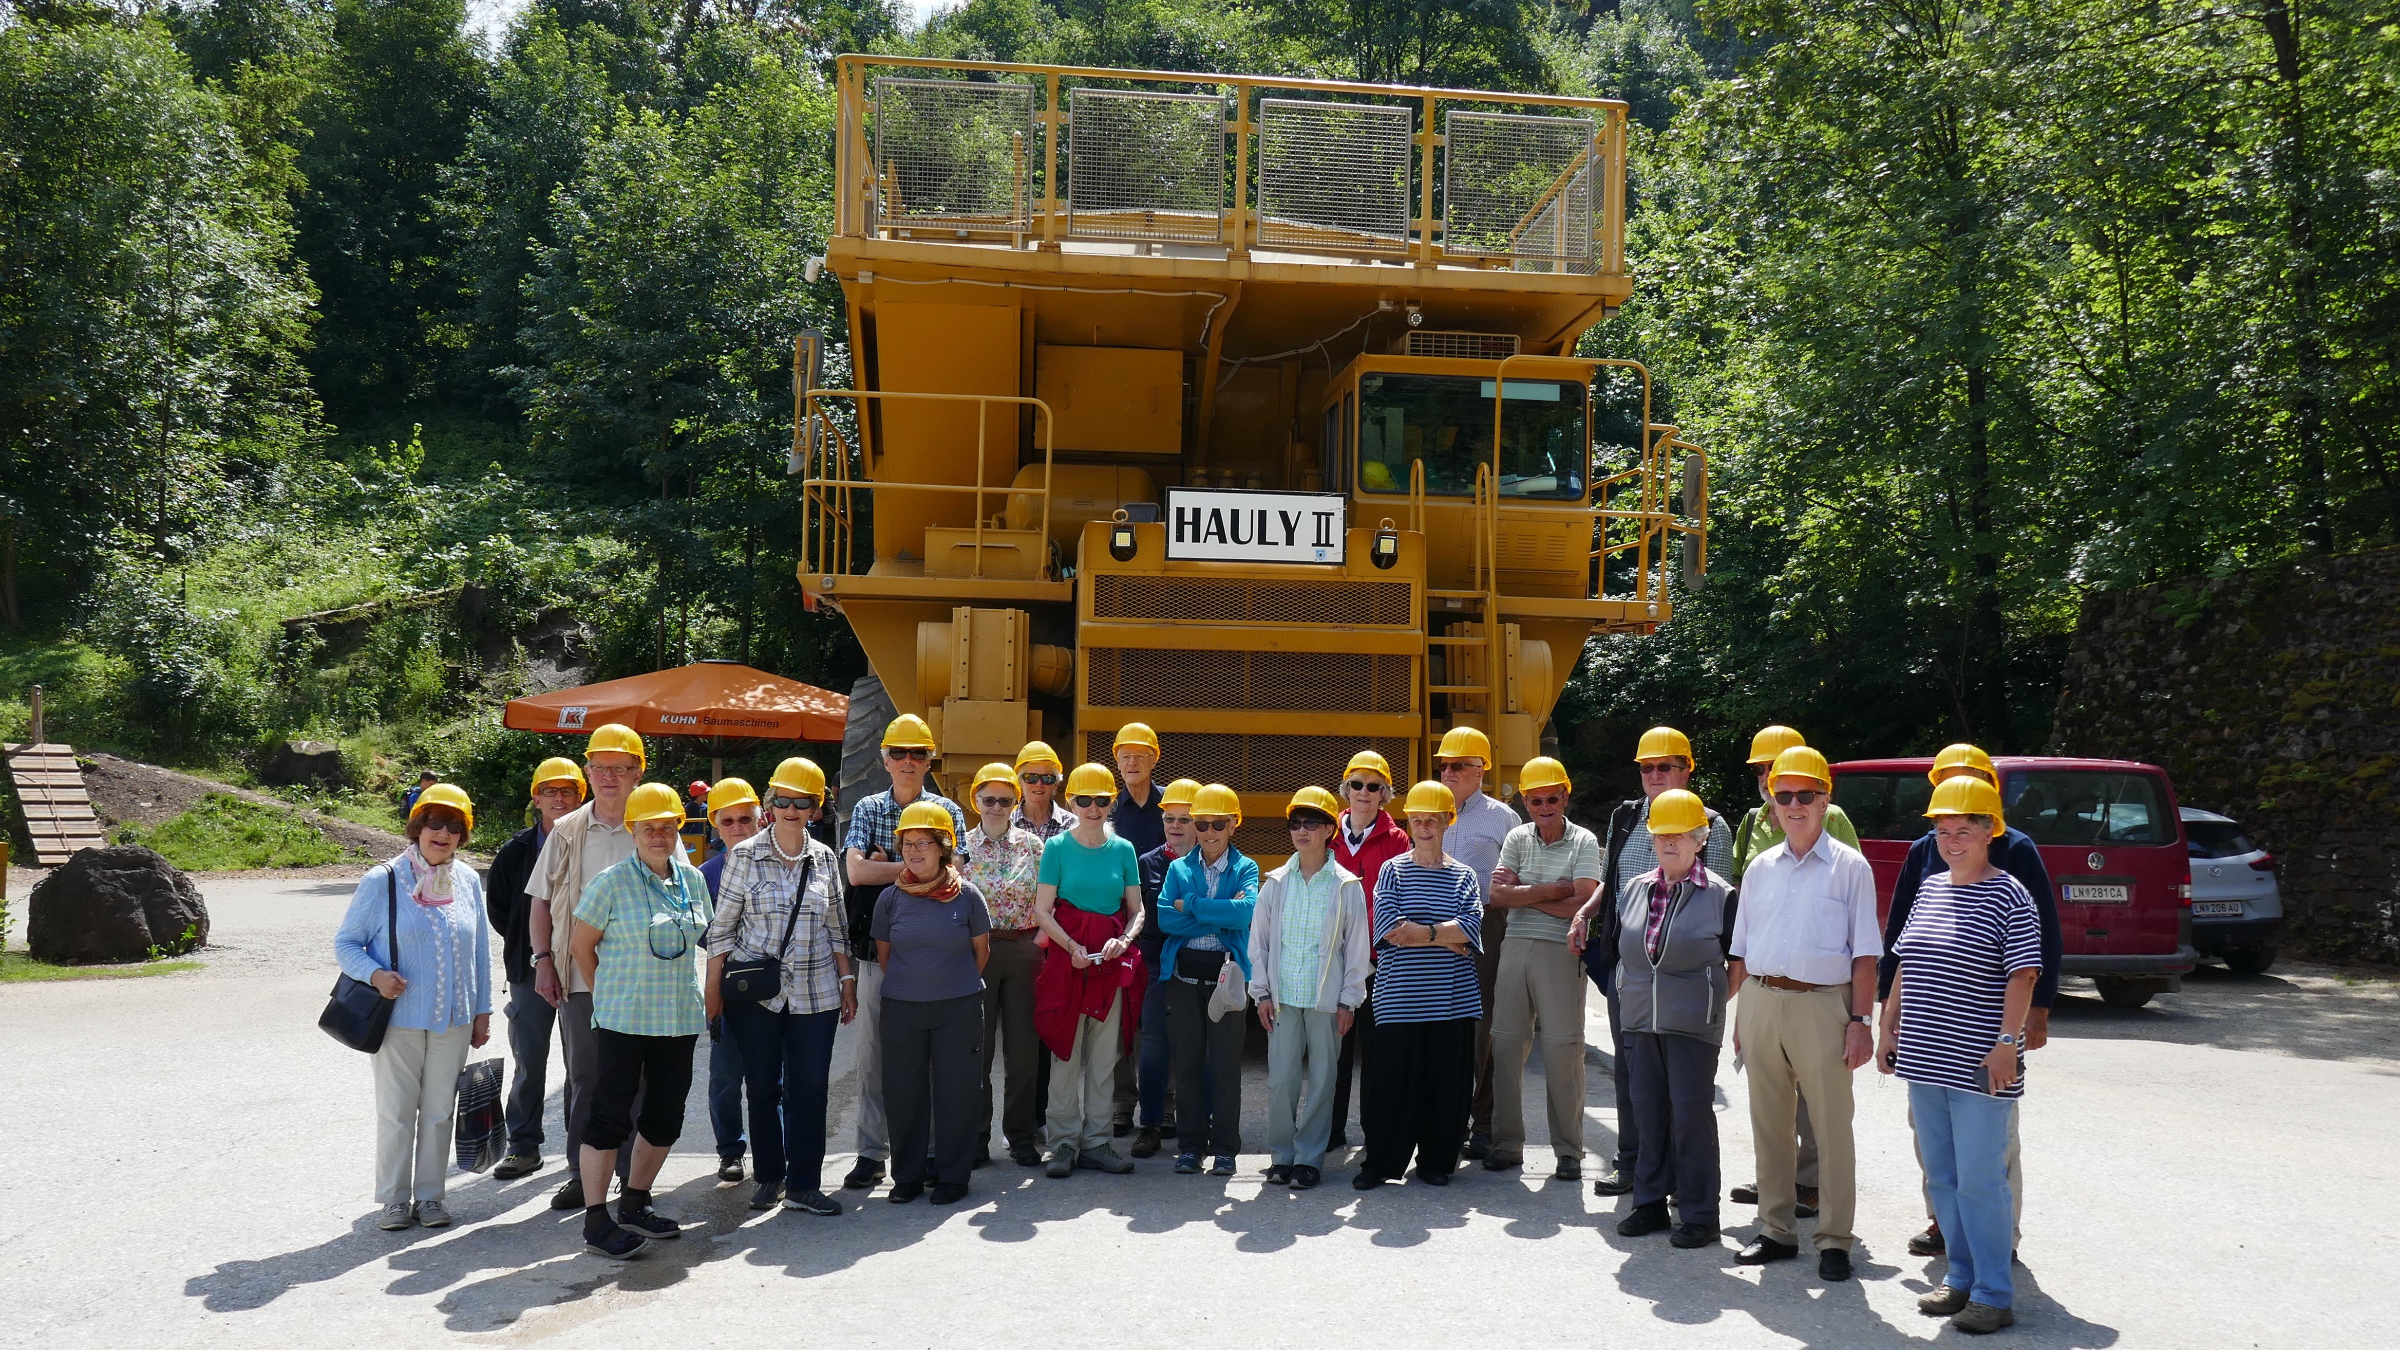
pixel 1963 1137
pixel 787 1062
pixel 1156 1071
pixel 725 1093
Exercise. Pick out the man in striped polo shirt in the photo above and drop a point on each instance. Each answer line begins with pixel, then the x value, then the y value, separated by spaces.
pixel 1549 868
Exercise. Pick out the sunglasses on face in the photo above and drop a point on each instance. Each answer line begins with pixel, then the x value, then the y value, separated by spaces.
pixel 444 827
pixel 792 803
pixel 1043 779
pixel 1212 826
pixel 723 821
pixel 1090 801
pixel 995 803
pixel 1797 798
pixel 1456 766
pixel 908 752
pixel 1546 799
pixel 1362 785
pixel 1669 766
pixel 1298 823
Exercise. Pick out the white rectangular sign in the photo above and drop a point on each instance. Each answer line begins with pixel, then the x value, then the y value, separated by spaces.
pixel 1230 525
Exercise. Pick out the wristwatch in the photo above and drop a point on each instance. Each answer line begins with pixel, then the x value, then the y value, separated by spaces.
pixel 2007 1040
pixel 541 956
pixel 1860 1018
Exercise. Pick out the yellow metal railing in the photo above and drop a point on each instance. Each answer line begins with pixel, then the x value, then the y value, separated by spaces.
pixel 828 516
pixel 862 182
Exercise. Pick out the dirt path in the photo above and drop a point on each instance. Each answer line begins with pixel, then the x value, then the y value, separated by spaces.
pixel 129 792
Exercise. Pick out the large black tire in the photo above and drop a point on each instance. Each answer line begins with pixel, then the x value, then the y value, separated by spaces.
pixel 863 774
pixel 2120 991
pixel 2250 960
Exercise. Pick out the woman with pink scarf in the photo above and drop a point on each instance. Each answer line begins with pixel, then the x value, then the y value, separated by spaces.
pixel 434 963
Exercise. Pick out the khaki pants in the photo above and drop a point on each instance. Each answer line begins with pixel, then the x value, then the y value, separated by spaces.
pixel 1792 1043
pixel 1487 980
pixel 1539 990
pixel 416 1101
pixel 1083 1085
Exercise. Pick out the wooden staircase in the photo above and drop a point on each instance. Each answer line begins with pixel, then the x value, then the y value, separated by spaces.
pixel 58 810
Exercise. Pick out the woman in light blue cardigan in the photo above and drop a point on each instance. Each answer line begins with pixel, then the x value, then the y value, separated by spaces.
pixel 437 971
pixel 1204 908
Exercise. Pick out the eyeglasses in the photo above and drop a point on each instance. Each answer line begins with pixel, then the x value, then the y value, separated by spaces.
pixel 1212 826
pixel 1546 799
pixel 1362 785
pixel 995 803
pixel 1298 823
pixel 907 752
pixel 724 820
pixel 1797 798
pixel 610 770
pixel 1091 801
pixel 1667 766
pixel 675 930
pixel 792 803
pixel 1457 765
pixel 1045 779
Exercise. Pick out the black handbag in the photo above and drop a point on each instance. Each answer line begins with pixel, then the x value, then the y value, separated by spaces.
pixel 760 979
pixel 358 1013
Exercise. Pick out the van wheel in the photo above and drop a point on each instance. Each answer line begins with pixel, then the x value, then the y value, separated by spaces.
pixel 2120 991
pixel 2250 960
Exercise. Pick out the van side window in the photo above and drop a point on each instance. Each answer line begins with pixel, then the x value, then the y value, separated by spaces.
pixel 2080 807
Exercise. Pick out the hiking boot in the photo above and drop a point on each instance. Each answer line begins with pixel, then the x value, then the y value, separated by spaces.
pixel 433 1214
pixel 1062 1162
pixel 570 1193
pixel 1979 1319
pixel 517 1165
pixel 729 1169
pixel 1569 1169
pixel 1107 1159
pixel 1644 1220
pixel 766 1194
pixel 1502 1159
pixel 1145 1142
pixel 1929 1242
pixel 396 1216
pixel 1479 1144
pixel 1690 1235
pixel 1944 1301
pixel 864 1175
pixel 1025 1154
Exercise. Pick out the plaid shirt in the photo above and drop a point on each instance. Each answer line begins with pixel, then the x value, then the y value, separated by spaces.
pixel 875 824
pixel 754 904
pixel 636 989
pixel 1061 820
pixel 1005 871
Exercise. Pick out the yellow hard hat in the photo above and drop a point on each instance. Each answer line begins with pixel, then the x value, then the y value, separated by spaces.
pixel 618 739
pixel 994 772
pixel 1216 799
pixel 1038 752
pixel 1664 743
pixel 1136 733
pixel 730 792
pixel 1801 762
pixel 653 801
pixel 1092 780
pixel 446 794
pixel 907 731
pixel 1181 792
pixel 1430 798
pixel 1968 796
pixel 1676 811
pixel 1962 756
pixel 560 769
pixel 1773 741
pixel 1377 476
pixel 1464 743
pixel 1370 761
pixel 1541 773
pixel 1314 799
pixel 927 816
pixel 797 777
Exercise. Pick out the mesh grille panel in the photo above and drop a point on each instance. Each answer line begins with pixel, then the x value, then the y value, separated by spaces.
pixel 949 153
pixel 1286 681
pixel 1248 600
pixel 1333 175
pixel 1146 166
pixel 1281 764
pixel 1467 346
pixel 1521 187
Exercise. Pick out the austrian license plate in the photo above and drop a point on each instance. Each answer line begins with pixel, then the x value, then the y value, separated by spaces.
pixel 2088 893
pixel 2216 909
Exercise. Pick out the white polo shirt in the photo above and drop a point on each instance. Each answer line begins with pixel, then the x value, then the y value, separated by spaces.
pixel 1807 918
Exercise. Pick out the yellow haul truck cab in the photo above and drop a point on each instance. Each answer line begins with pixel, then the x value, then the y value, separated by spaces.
pixel 1240 406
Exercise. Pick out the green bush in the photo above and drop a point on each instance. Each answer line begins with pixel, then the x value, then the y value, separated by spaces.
pixel 220 833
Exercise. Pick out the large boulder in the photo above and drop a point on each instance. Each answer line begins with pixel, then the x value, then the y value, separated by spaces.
pixel 311 763
pixel 114 904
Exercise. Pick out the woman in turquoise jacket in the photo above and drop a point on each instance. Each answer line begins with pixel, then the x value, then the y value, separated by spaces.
pixel 1204 909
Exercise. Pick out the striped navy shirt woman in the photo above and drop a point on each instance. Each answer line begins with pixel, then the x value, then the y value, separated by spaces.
pixel 1428 983
pixel 1956 955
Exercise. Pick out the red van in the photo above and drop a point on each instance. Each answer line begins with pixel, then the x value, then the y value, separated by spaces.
pixel 2110 832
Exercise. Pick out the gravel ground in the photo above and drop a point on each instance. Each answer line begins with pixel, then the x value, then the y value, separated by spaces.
pixel 195 1160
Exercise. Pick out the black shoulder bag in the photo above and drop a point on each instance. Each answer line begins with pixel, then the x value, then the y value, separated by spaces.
pixel 760 979
pixel 358 1013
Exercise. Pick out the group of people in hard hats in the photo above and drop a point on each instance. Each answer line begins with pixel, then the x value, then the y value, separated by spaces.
pixel 1100 939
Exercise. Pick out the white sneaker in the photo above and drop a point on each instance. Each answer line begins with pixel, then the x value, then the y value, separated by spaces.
pixel 433 1214
pixel 397 1215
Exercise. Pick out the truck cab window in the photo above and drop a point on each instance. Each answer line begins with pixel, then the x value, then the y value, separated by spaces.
pixel 1446 422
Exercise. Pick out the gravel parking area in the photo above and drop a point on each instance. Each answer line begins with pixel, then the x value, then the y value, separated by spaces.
pixel 194 1164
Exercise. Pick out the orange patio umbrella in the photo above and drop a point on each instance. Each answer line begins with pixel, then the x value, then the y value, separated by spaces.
pixel 723 700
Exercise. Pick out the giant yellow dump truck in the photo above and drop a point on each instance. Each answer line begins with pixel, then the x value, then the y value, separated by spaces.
pixel 1242 406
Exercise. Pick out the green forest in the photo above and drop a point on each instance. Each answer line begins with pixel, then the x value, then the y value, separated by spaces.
pixel 313 304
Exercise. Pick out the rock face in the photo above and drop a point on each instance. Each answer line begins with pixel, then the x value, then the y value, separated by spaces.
pixel 318 763
pixel 114 904
pixel 2268 696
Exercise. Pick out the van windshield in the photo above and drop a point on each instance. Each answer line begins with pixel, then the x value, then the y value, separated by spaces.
pixel 1884 805
pixel 1446 421
pixel 2078 807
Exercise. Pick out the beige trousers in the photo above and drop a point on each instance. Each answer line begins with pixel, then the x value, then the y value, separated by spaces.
pixel 1539 990
pixel 416 1101
pixel 1083 1085
pixel 1792 1044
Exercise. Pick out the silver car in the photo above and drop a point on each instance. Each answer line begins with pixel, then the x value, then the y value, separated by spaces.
pixel 2237 912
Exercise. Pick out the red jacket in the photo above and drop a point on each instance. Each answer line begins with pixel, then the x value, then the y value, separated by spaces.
pixel 1385 841
pixel 1063 995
